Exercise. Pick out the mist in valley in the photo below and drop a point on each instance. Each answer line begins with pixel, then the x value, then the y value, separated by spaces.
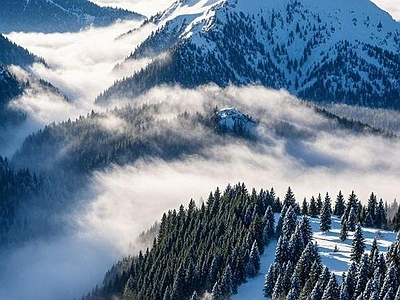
pixel 294 146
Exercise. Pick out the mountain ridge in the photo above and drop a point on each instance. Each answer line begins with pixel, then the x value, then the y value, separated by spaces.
pixel 57 15
pixel 314 50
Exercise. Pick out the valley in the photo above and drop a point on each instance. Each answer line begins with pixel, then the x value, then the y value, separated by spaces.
pixel 114 124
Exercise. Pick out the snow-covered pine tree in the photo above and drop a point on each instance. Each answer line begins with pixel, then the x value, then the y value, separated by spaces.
pixel 304 207
pixel 227 282
pixel 390 282
pixel 281 251
pixel 294 292
pixel 358 245
pixel 312 210
pixel 363 275
pixel 269 280
pixel 343 232
pixel 306 230
pixel 325 217
pixel 339 205
pixel 289 199
pixel 195 296
pixel 331 291
pixel 289 222
pixel 216 293
pixel 319 204
pixel 253 265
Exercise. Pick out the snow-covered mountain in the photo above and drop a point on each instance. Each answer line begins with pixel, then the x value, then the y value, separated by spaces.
pixel 346 51
pixel 57 15
pixel 233 121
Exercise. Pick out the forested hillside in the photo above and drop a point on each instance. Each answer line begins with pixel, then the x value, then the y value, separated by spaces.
pixel 211 248
pixel 347 54
pixel 57 15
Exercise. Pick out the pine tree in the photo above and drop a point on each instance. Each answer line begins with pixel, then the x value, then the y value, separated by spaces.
pixel 370 288
pixel 281 251
pixel 390 282
pixel 304 207
pixel 372 206
pixel 294 292
pixel 339 205
pixel 389 295
pixel 319 204
pixel 352 219
pixel 309 258
pixel 289 199
pixel 216 293
pixel 194 296
pixel 380 215
pixel 269 281
pixel 332 289
pixel 351 280
pixel 317 292
pixel 306 230
pixel 358 245
pixel 313 211
pixel 253 266
pixel 325 218
pixel 296 244
pixel 344 292
pixel 279 288
pixel 343 232
pixel 289 222
pixel 269 221
pixel 178 286
pixel 227 282
pixel 374 256
pixel 363 274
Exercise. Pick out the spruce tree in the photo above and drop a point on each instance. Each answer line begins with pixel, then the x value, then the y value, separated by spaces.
pixel 306 230
pixel 390 281
pixel 253 265
pixel 304 207
pixel 312 210
pixel 319 204
pixel 343 232
pixel 372 206
pixel 331 291
pixel 227 282
pixel 325 218
pixel 358 245
pixel 269 221
pixel 216 293
pixel 294 292
pixel 339 205
pixel 279 288
pixel 352 219
pixel 289 222
pixel 380 216
pixel 363 274
pixel 344 292
pixel 289 199
pixel 194 296
pixel 269 281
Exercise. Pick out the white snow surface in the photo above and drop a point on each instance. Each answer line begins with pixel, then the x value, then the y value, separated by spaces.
pixel 337 262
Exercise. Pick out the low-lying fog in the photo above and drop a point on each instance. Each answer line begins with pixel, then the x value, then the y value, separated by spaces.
pixel 126 200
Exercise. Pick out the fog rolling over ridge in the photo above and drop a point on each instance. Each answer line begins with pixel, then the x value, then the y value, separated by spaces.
pixel 294 146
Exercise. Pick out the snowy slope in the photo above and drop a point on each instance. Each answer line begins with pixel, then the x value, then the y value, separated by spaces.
pixel 57 15
pixel 337 262
pixel 342 51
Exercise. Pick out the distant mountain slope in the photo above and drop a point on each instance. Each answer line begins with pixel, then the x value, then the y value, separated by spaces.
pixel 347 51
pixel 57 15
pixel 10 86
